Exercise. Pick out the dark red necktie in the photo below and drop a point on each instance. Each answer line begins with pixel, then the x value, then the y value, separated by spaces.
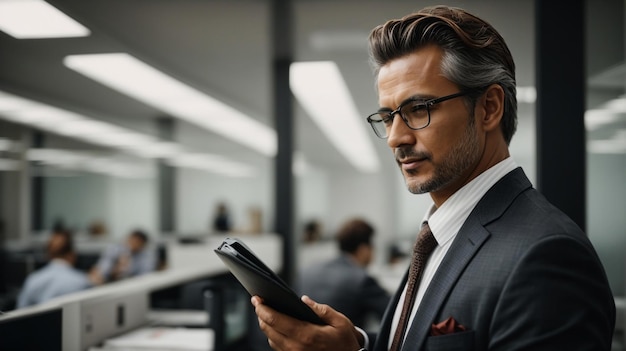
pixel 424 246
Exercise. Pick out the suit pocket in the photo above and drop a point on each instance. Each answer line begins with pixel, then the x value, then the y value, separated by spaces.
pixel 462 341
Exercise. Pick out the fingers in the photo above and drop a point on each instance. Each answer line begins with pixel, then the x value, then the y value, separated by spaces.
pixel 279 328
pixel 285 333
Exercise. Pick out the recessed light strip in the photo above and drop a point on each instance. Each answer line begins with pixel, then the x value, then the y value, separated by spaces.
pixel 34 19
pixel 133 77
pixel 322 92
pixel 76 126
pixel 90 162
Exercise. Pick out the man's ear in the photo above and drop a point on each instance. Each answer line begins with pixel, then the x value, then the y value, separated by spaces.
pixel 491 106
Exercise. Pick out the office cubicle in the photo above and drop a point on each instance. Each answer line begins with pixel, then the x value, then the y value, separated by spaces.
pixel 86 319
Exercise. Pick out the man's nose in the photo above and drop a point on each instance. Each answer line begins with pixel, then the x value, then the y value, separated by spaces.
pixel 399 133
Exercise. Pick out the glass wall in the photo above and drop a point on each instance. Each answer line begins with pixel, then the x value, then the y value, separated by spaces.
pixel 605 121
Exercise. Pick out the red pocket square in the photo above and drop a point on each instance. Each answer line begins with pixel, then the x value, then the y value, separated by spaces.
pixel 448 326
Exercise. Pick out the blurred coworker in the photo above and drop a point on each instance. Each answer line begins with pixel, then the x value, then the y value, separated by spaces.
pixel 131 258
pixel 343 282
pixel 312 231
pixel 221 222
pixel 58 277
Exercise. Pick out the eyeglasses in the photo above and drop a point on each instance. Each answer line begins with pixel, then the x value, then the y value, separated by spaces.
pixel 414 112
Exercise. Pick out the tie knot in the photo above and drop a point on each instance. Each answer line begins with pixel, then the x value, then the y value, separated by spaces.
pixel 426 241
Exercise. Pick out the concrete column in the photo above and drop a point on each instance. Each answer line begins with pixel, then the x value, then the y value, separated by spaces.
pixel 560 81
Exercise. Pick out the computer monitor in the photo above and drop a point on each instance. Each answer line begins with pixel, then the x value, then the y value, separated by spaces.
pixel 228 306
pixel 32 329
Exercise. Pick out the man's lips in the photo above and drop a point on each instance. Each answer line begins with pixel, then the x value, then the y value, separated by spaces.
pixel 411 163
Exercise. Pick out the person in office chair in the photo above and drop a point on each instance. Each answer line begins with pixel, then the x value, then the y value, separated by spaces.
pixel 343 282
pixel 497 267
pixel 58 277
pixel 132 258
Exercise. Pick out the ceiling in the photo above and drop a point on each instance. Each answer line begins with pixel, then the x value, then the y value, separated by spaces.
pixel 223 48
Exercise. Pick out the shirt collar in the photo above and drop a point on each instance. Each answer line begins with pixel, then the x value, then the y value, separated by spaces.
pixel 447 220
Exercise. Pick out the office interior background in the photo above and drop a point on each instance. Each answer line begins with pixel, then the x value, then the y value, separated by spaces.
pixel 145 155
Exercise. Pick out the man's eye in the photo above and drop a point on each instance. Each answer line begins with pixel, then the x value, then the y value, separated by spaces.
pixel 414 107
pixel 386 118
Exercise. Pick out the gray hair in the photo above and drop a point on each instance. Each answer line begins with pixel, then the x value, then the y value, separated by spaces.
pixel 474 53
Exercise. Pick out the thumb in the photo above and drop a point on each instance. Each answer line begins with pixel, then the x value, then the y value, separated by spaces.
pixel 325 312
pixel 339 322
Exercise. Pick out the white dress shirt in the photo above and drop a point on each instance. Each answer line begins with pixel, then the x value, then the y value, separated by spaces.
pixel 55 279
pixel 445 222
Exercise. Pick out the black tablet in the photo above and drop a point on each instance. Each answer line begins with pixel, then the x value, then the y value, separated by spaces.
pixel 260 280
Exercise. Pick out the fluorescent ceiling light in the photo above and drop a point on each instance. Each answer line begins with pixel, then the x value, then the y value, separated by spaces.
pixel 322 92
pixel 610 112
pixel 90 162
pixel 614 145
pixel 75 126
pixel 130 76
pixel 31 19
pixel 596 118
pixel 10 103
pixel 526 94
pixel 617 105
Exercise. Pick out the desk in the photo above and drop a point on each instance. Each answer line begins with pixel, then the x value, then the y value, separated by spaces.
pixel 161 339
pixel 175 318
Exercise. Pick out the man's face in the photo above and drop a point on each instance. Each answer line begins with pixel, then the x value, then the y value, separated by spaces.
pixel 135 244
pixel 441 157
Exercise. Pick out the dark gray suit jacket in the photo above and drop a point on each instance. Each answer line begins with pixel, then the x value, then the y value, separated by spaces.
pixel 346 287
pixel 520 275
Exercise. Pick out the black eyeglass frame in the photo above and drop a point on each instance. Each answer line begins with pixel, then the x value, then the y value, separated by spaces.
pixel 426 105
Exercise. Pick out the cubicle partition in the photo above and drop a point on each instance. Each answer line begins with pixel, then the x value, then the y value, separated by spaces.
pixel 86 319
pixel 37 328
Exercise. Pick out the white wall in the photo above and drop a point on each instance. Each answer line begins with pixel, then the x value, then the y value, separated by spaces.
pixel 133 205
pixel 312 198
pixel 198 193
pixel 122 204
pixel 77 200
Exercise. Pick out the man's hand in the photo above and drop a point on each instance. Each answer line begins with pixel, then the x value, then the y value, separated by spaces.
pixel 285 333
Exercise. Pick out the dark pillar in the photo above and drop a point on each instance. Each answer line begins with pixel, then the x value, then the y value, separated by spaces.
pixel 560 81
pixel 283 112
pixel 38 186
pixel 166 180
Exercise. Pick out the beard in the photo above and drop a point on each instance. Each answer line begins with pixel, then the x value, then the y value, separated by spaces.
pixel 463 155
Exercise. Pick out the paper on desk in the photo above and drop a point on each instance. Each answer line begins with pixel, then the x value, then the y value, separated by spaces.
pixel 164 339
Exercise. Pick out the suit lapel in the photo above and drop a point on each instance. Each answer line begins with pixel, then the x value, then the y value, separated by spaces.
pixel 468 241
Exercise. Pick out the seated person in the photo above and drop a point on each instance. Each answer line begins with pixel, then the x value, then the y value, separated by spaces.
pixel 343 282
pixel 58 277
pixel 132 258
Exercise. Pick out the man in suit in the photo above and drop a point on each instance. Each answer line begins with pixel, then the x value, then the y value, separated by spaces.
pixel 509 271
pixel 58 277
pixel 343 282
